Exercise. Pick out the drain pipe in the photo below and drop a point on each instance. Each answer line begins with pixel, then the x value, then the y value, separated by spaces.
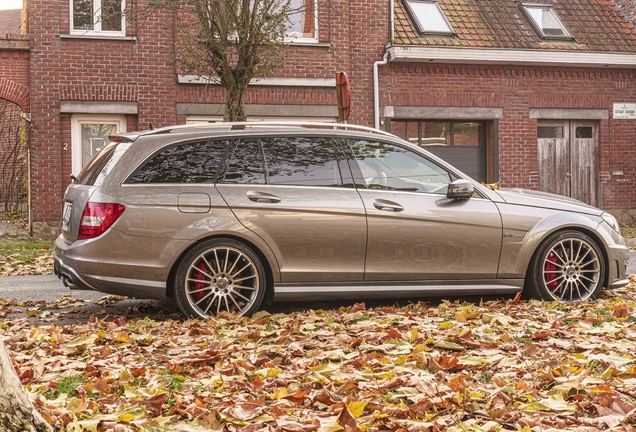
pixel 376 89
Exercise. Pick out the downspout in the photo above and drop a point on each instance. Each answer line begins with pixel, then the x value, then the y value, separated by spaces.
pixel 376 89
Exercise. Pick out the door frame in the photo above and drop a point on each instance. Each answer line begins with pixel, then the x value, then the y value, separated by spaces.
pixel 569 135
pixel 77 120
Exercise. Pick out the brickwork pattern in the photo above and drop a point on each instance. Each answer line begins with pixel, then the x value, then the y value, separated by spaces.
pixel 136 69
pixel 352 34
pixel 517 90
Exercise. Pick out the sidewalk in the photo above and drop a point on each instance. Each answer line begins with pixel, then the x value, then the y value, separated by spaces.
pixel 7 228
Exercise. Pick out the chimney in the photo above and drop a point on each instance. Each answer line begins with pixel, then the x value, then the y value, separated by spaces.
pixel 628 7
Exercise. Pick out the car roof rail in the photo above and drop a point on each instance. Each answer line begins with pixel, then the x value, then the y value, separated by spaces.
pixel 263 124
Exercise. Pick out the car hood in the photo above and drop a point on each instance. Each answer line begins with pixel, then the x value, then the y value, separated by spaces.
pixel 534 198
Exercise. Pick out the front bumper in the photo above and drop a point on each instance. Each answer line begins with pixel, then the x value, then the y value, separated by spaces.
pixel 618 258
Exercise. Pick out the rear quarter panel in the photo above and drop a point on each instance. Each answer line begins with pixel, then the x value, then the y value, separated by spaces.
pixel 153 217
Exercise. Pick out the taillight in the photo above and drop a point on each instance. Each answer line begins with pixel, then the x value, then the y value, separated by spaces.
pixel 97 218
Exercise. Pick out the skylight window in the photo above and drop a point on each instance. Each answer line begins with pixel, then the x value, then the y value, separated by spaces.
pixel 545 21
pixel 428 17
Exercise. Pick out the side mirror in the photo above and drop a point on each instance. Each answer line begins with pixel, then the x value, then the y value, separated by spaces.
pixel 460 189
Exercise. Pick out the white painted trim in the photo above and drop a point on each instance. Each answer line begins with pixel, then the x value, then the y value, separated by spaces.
pixel 268 81
pixel 512 57
pixel 97 22
pixel 77 120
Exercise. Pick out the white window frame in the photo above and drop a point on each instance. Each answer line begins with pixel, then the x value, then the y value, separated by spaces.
pixel 97 21
pixel 525 7
pixel 292 40
pixel 77 120
pixel 420 28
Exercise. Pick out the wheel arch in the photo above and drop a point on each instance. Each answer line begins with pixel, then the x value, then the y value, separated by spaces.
pixel 555 223
pixel 592 233
pixel 267 265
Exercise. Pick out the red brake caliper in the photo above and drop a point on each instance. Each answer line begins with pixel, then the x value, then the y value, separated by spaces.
pixel 549 267
pixel 199 285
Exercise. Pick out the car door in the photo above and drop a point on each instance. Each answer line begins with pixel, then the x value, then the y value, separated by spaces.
pixel 415 232
pixel 297 194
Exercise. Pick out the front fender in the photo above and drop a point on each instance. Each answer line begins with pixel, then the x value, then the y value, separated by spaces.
pixel 524 228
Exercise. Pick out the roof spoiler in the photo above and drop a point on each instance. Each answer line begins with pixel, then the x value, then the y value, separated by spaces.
pixel 119 138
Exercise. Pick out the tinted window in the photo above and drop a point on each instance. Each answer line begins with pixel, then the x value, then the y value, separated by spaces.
pixel 390 167
pixel 302 161
pixel 92 169
pixel 246 164
pixel 183 163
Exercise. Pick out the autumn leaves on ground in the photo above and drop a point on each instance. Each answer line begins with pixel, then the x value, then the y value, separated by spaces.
pixel 500 365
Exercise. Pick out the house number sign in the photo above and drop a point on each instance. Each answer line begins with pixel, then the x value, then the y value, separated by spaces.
pixel 624 111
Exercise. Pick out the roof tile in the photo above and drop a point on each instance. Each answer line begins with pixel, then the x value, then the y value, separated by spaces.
pixel 596 25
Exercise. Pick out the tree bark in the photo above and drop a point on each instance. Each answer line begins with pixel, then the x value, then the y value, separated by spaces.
pixel 234 106
pixel 16 411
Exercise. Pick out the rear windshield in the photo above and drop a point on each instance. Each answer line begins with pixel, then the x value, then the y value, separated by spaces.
pixel 95 167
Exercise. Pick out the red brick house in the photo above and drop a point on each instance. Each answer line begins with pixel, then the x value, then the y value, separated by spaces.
pixel 532 95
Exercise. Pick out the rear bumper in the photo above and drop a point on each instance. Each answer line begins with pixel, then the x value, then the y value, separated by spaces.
pixel 69 278
pixel 116 263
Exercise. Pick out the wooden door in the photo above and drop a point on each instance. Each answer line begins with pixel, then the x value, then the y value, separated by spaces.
pixel 583 161
pixel 568 158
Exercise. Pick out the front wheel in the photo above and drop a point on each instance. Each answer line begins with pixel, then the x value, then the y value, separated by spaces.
pixel 220 275
pixel 568 266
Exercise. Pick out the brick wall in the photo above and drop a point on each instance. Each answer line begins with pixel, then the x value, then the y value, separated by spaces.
pixel 517 90
pixel 352 34
pixel 136 69
pixel 14 69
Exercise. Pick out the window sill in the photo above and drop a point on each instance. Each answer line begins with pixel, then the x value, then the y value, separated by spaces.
pixel 308 44
pixel 98 37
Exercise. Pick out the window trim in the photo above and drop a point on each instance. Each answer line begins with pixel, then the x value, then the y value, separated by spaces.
pixel 420 28
pixel 97 22
pixel 482 137
pixel 77 120
pixel 305 40
pixel 537 28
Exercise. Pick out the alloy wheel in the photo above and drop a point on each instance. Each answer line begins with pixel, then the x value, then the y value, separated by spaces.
pixel 222 279
pixel 571 270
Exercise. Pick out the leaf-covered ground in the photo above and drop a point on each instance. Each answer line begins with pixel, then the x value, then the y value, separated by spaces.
pixel 500 365
pixel 23 255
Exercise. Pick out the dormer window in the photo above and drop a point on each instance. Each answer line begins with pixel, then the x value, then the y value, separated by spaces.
pixel 545 21
pixel 428 17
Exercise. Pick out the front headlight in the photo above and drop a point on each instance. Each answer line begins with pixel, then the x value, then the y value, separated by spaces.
pixel 611 220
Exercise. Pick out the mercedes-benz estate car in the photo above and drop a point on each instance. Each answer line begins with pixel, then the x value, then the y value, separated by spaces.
pixel 224 217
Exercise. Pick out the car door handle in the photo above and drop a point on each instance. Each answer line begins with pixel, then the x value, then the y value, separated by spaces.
pixel 262 197
pixel 387 205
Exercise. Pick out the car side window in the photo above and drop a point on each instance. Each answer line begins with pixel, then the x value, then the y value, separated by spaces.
pixel 245 165
pixel 195 162
pixel 391 167
pixel 302 161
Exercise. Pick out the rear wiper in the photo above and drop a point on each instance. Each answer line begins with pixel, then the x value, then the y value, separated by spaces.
pixel 73 178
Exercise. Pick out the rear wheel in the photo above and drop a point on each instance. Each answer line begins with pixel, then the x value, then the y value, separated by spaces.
pixel 568 266
pixel 220 275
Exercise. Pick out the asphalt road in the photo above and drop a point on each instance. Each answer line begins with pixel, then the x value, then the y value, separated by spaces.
pixel 47 290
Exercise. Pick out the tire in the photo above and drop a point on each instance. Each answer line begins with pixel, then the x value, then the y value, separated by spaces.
pixel 220 275
pixel 567 266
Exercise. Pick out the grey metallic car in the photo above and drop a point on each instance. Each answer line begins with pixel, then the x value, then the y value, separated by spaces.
pixel 224 217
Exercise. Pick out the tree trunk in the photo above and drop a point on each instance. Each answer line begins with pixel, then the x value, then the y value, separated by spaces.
pixel 16 411
pixel 234 107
